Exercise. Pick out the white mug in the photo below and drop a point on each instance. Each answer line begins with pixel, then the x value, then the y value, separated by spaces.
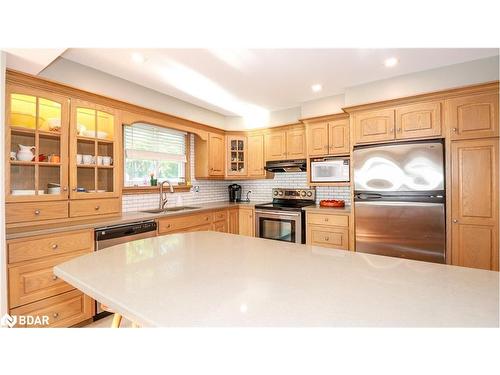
pixel 100 160
pixel 79 158
pixel 13 155
pixel 87 159
pixel 107 160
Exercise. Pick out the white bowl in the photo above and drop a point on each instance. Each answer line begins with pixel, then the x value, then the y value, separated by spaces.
pixel 54 190
pixel 88 133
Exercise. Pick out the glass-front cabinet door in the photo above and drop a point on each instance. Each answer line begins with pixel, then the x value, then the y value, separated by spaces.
pixel 236 156
pixel 36 145
pixel 94 156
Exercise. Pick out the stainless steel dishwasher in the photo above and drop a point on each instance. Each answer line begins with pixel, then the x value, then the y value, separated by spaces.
pixel 118 234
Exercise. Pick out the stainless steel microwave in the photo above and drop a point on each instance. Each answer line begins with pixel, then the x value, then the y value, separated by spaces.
pixel 331 169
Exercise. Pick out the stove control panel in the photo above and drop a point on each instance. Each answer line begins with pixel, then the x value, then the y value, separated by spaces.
pixel 307 194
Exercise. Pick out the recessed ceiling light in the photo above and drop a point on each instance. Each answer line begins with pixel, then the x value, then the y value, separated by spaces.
pixel 390 62
pixel 138 58
pixel 316 87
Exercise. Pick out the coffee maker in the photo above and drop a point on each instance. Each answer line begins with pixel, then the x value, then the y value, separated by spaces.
pixel 234 193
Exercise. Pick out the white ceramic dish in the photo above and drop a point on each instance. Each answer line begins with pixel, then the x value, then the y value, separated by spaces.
pixel 102 135
pixel 54 190
pixel 88 133
pixel 27 192
pixel 96 191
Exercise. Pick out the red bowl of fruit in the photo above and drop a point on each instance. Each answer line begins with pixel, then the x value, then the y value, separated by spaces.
pixel 332 203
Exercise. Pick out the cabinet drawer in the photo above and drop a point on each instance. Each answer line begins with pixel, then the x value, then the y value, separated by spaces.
pixel 220 226
pixel 90 207
pixel 54 244
pixel 36 280
pixel 334 237
pixel 33 211
pixel 167 225
pixel 328 219
pixel 63 310
pixel 199 228
pixel 220 215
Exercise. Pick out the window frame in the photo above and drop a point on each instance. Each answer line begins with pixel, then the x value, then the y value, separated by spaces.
pixel 127 190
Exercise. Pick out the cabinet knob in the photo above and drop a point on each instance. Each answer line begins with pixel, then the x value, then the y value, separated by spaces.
pixel 54 246
pixel 454 130
pixel 55 315
pixel 168 225
pixel 65 188
pixel 326 219
pixel 327 238
pixel 37 212
pixel 54 277
pixel 455 220
pixel 391 130
pixel 97 207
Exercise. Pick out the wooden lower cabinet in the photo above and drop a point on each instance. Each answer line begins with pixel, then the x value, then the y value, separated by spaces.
pixel 475 246
pixel 474 203
pixel 34 290
pixel 34 281
pixel 220 226
pixel 63 310
pixel 246 221
pixel 328 236
pixel 328 229
pixel 233 220
pixel 179 223
pixel 91 207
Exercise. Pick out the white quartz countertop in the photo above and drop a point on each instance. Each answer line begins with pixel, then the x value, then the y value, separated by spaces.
pixel 219 279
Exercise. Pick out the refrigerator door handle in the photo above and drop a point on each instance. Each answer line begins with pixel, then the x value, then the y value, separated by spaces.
pixel 368 196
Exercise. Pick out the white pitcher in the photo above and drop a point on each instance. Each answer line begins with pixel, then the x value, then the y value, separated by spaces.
pixel 25 153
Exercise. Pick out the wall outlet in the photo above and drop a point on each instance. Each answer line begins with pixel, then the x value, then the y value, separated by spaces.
pixel 196 189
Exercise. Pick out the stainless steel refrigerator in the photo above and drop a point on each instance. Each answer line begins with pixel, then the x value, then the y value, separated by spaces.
pixel 399 200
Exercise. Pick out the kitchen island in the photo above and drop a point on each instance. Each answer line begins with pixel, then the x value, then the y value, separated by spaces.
pixel 219 279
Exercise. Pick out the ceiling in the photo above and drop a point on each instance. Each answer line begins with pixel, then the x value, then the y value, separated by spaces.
pixel 244 82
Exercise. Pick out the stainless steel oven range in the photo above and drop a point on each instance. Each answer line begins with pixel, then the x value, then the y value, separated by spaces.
pixel 284 219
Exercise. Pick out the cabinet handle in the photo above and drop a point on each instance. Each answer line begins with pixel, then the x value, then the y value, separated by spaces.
pixel 54 277
pixel 455 220
pixel 168 225
pixel 54 246
pixel 391 130
pixel 454 130
pixel 65 188
pixel 55 315
pixel 37 212
pixel 326 219
pixel 97 207
pixel 327 238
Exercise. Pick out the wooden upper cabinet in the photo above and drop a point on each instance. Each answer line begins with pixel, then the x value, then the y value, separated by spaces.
pixel 317 139
pixel 295 144
pixel 216 159
pixel 255 155
pixel 374 126
pixel 338 137
pixel 36 135
pixel 275 145
pixel 474 185
pixel 95 136
pixel 473 116
pixel 237 155
pixel 474 203
pixel 418 120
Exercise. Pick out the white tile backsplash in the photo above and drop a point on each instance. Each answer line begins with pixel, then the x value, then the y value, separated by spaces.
pixel 216 191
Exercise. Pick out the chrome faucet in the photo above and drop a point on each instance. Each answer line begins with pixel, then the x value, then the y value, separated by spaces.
pixel 163 194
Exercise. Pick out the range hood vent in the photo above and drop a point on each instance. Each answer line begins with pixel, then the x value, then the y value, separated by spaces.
pixel 297 165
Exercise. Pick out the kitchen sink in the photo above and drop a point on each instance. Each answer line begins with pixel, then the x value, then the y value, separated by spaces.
pixel 169 209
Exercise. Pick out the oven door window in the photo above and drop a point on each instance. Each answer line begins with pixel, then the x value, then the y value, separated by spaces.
pixel 277 229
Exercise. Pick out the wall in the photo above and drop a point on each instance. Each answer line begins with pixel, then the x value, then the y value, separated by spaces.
pixel 323 106
pixel 3 253
pixel 463 74
pixel 216 191
pixel 93 80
